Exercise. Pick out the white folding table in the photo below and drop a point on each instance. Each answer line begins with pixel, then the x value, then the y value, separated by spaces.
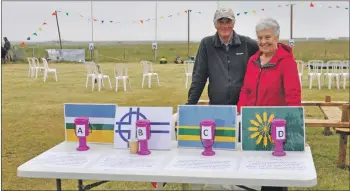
pixel 236 175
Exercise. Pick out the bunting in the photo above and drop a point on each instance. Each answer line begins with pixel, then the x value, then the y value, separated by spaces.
pixel 170 16
pixel 162 17
pixel 40 28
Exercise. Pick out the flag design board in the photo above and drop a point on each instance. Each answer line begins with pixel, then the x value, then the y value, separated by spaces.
pixel 188 134
pixel 160 118
pixel 101 119
pixel 256 125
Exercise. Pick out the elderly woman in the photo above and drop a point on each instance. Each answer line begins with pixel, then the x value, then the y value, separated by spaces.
pixel 271 77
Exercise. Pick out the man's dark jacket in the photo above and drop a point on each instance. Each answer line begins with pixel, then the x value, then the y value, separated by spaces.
pixel 225 69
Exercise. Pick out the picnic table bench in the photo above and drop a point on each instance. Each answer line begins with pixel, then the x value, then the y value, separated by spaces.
pixel 338 119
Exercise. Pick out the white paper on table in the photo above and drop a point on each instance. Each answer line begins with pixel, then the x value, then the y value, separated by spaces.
pixel 202 163
pixel 128 162
pixel 272 165
pixel 64 159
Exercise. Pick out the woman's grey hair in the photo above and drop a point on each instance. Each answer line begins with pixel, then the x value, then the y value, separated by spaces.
pixel 268 23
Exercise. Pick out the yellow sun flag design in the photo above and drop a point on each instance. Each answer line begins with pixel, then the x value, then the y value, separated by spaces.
pixel 260 128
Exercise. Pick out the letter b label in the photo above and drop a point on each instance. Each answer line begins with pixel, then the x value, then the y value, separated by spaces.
pixel 141 133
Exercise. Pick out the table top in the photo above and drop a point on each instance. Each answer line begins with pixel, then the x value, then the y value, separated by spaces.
pixel 178 165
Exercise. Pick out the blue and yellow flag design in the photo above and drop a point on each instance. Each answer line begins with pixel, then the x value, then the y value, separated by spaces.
pixel 189 130
pixel 101 119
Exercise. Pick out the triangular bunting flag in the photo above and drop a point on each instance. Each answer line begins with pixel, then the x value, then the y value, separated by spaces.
pixel 238 14
pixel 111 21
pixel 102 21
pixel 312 5
pixel 329 6
pixel 44 23
pixel 199 12
pixel 262 9
pixel 23 44
pixel 67 13
pixel 35 34
pixel 346 8
pixel 338 6
pixel 161 17
pixel 40 29
pixel 141 21
pixel 185 11
pixel 278 5
pixel 245 12
pixel 302 4
pixel 28 38
pixel 54 14
pixel 254 11
pixel 95 19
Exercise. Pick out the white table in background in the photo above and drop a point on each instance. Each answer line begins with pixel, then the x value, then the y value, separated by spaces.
pixel 282 178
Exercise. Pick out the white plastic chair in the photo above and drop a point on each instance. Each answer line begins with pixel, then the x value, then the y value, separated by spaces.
pixel 31 67
pixel 37 66
pixel 344 71
pixel 148 72
pixel 332 71
pixel 315 70
pixel 89 67
pixel 99 76
pixel 121 73
pixel 301 66
pixel 48 70
pixel 188 70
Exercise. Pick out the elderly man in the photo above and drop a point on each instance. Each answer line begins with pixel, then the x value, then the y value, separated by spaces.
pixel 222 58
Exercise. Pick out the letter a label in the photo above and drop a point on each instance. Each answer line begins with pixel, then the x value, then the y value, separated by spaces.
pixel 80 130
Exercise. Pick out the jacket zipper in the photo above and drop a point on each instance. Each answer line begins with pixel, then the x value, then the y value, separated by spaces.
pixel 257 88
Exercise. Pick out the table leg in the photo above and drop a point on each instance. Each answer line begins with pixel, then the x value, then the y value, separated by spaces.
pixel 343 141
pixel 80 185
pixel 58 185
pixel 269 188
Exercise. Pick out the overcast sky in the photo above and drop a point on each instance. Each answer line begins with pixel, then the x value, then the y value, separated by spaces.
pixel 20 19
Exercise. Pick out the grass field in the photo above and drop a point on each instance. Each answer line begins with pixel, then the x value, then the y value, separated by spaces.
pixel 32 117
pixel 304 50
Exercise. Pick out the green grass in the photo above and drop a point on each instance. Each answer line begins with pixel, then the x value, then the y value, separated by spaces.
pixel 307 50
pixel 32 119
pixel 33 110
